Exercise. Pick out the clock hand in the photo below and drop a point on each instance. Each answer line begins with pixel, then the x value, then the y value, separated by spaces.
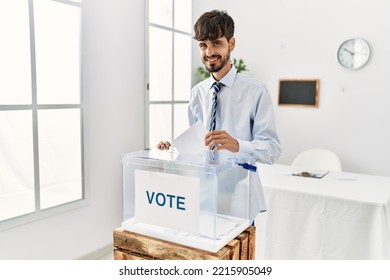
pixel 349 51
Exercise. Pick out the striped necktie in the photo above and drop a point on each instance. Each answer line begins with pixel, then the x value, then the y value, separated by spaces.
pixel 216 87
pixel 213 118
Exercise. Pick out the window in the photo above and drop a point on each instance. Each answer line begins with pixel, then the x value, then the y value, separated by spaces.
pixel 41 154
pixel 169 69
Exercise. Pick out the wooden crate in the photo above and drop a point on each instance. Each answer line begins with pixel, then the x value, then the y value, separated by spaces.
pixel 133 246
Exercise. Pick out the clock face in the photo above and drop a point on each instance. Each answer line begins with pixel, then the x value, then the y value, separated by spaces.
pixel 353 53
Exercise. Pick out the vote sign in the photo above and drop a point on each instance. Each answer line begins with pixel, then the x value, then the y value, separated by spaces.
pixel 167 200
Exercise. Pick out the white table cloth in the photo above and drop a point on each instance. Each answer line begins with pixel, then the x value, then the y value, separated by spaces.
pixel 341 216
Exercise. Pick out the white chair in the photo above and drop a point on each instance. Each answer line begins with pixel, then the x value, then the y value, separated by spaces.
pixel 318 159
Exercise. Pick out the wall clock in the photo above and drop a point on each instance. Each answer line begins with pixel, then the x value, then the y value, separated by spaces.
pixel 353 53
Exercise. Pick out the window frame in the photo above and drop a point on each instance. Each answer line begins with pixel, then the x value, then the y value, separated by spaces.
pixel 34 107
pixel 172 101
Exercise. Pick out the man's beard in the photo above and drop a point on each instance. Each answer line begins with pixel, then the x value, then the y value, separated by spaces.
pixel 216 67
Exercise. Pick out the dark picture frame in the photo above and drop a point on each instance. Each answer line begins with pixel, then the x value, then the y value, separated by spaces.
pixel 298 92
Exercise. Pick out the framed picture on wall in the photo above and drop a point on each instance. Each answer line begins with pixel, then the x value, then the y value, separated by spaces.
pixel 298 92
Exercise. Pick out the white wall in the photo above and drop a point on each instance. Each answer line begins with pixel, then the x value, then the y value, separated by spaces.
pixel 299 39
pixel 114 124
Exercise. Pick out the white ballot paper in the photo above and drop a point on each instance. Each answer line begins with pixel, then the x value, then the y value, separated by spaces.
pixel 191 141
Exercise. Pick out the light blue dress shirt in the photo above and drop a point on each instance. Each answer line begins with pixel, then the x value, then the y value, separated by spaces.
pixel 245 111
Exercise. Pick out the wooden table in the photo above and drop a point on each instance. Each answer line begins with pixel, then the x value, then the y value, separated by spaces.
pixel 133 246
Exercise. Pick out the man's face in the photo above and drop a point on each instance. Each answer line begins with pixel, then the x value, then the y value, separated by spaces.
pixel 215 54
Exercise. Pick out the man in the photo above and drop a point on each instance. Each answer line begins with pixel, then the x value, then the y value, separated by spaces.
pixel 244 120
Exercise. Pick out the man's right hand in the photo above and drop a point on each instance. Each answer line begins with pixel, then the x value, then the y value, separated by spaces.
pixel 163 145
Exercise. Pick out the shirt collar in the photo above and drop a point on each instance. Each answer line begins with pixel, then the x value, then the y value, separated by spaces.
pixel 227 80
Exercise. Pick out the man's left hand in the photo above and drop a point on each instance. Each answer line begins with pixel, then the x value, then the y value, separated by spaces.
pixel 220 139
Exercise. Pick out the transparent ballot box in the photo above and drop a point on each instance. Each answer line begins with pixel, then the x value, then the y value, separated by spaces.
pixel 186 200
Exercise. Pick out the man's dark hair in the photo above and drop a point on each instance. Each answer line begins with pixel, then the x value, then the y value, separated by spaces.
pixel 213 25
